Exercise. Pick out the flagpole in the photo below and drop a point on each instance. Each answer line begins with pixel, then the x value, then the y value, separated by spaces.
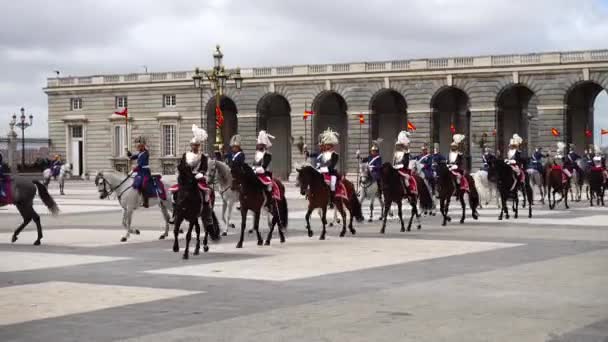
pixel 305 127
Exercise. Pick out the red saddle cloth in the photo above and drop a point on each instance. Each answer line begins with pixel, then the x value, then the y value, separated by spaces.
pixel 6 185
pixel 202 185
pixel 561 170
pixel 464 183
pixel 522 176
pixel 340 188
pixel 413 188
pixel 266 180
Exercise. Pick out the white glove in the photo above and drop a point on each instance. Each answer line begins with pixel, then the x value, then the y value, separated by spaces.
pixel 259 170
pixel 200 176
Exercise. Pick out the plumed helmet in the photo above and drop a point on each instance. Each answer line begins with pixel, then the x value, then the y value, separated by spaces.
pixel 457 139
pixel 329 137
pixel 516 140
pixel 403 138
pixel 140 140
pixel 264 138
pixel 235 140
pixel 561 147
pixel 199 135
pixel 376 144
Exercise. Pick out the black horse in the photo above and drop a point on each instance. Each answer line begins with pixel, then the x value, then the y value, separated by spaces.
pixel 23 192
pixel 509 187
pixel 394 192
pixel 447 187
pixel 597 186
pixel 252 197
pixel 189 206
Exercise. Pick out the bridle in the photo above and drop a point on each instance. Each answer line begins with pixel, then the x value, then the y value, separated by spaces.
pixel 106 193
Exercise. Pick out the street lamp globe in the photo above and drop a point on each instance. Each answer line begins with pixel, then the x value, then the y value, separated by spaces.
pixel 197 78
pixel 217 57
pixel 238 79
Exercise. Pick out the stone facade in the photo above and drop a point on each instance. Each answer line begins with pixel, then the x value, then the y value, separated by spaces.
pixel 474 95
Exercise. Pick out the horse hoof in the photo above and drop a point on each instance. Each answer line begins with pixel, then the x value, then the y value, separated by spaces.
pixel 530 216
pixel 331 224
pixel 267 243
pixel 443 224
pixel 461 221
pixel 419 227
pixel 14 239
pixel 282 240
pixel 137 232
pixel 250 231
pixel 185 257
pixel 260 242
pixel 205 249
pixel 181 231
pixel 37 243
pixel 239 245
pixel 162 237
pixel 353 231
pixel 196 252
pixel 232 226
pixel 449 219
pixel 310 233
pixel 225 234
pixel 370 220
pixel 402 230
pixel 123 239
pixel 321 237
pixel 500 219
pixel 382 231
pixel 175 248
pixel 342 234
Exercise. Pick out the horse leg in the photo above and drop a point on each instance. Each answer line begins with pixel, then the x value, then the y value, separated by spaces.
pixel 464 207
pixel 27 218
pixel 409 225
pixel 443 211
pixel 566 202
pixel 387 205
pixel 163 209
pixel 371 208
pixel 350 223
pixel 177 224
pixel 188 238
pixel 307 217
pixel 127 224
pixel 516 206
pixel 256 226
pixel 243 224
pixel 272 224
pixel 342 209
pixel 197 228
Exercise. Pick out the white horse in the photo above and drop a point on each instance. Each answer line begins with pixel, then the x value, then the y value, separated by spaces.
pixel 416 168
pixel 369 190
pixel 114 183
pixel 487 190
pixel 219 173
pixel 537 180
pixel 65 172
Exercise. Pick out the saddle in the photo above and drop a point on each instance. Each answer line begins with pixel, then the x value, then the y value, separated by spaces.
pixel 340 187
pixel 413 184
pixel 267 180
pixel 202 185
pixel 6 186
pixel 464 182
pixel 155 188
pixel 561 171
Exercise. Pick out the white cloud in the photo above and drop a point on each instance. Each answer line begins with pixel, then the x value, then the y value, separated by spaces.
pixel 92 37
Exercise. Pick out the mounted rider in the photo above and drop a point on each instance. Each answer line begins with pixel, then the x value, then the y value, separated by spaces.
pixel 536 162
pixel 374 163
pixel 401 162
pixel 437 158
pixel 560 161
pixel 571 159
pixel 514 159
pixel 426 160
pixel 142 169
pixel 599 163
pixel 236 155
pixel 487 158
pixel 589 155
pixel 328 160
pixel 56 166
pixel 261 163
pixel 198 163
pixel 456 160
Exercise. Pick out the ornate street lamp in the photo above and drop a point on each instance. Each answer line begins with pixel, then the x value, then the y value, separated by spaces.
pixel 217 79
pixel 23 125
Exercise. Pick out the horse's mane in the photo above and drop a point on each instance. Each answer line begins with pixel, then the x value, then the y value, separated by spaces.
pixel 223 171
pixel 310 169
pixel 111 176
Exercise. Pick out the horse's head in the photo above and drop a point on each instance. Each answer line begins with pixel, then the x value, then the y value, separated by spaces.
pixel 103 187
pixel 364 172
pixel 184 173
pixel 305 177
pixel 211 171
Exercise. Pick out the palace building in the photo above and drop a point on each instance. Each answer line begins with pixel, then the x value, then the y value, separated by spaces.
pixel 545 97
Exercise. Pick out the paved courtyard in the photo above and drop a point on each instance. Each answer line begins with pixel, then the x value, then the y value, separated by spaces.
pixel 540 279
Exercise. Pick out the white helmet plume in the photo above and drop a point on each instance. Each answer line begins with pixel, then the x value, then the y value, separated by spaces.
pixel 200 135
pixel 403 138
pixel 264 138
pixel 458 138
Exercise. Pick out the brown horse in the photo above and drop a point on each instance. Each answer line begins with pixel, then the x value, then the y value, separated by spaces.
pixel 447 188
pixel 252 197
pixel 597 186
pixel 313 186
pixel 555 184
pixel 394 192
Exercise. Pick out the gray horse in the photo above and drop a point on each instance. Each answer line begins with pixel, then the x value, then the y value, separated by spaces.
pixel 23 193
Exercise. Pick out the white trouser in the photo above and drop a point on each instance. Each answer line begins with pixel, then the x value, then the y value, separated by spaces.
pixel 332 183
pixel 567 172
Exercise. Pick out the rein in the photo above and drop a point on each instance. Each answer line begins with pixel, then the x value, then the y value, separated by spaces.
pixel 108 193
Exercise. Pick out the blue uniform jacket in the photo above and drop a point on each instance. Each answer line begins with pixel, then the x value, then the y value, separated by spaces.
pixel 536 162
pixel 375 166
pixel 426 160
pixel 486 159
pixel 235 158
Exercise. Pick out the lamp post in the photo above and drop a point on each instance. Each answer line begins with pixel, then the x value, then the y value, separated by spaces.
pixel 23 125
pixel 217 79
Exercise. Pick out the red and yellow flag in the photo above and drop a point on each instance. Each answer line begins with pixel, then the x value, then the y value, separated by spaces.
pixel 604 131
pixel 555 132
pixel 307 113
pixel 219 117
pixel 410 126
pixel 361 119
pixel 452 128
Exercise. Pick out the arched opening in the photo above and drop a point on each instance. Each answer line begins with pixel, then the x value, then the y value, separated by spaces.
pixel 228 129
pixel 389 117
pixel 516 112
pixel 451 114
pixel 274 117
pixel 330 112
pixel 580 115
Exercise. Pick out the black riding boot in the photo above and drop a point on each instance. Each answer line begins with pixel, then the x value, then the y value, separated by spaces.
pixel 207 218
pixel 332 198
pixel 269 200
pixel 145 201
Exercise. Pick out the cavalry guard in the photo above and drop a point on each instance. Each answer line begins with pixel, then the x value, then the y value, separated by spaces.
pixel 261 163
pixel 599 163
pixel 426 160
pixel 514 158
pixel 536 162
pixel 486 159
pixel 198 163
pixel 236 155
pixel 56 166
pixel 571 159
pixel 401 161
pixel 589 155
pixel 142 168
pixel 328 160
pixel 560 160
pixel 456 160
pixel 437 158
pixel 374 163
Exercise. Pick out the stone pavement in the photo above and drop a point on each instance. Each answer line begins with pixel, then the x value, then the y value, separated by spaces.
pixel 539 279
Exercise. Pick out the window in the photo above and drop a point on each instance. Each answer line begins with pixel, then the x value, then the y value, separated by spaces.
pixel 121 102
pixel 119 141
pixel 76 104
pixel 169 100
pixel 168 140
pixel 76 131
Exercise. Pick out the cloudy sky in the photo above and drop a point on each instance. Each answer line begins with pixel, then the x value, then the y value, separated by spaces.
pixel 92 37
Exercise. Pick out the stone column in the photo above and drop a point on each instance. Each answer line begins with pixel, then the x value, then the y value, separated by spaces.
pixel 421 118
pixel 11 159
pixel 550 116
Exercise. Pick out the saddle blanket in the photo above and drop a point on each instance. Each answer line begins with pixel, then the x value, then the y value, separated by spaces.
pixel 266 180
pixel 413 188
pixel 8 194
pixel 340 187
pixel 522 176
pixel 564 176
pixel 464 183
pixel 155 189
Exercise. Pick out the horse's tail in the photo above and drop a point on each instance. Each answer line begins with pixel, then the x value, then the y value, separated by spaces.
pixel 214 234
pixel 46 198
pixel 473 194
pixel 353 199
pixel 424 196
pixel 282 206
